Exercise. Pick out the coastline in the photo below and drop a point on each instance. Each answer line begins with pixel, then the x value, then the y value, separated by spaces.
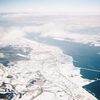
pixel 56 68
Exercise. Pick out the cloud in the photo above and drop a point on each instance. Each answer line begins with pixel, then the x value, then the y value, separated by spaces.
pixel 11 33
pixel 16 15
pixel 59 31
pixel 63 27
pixel 1 32
pixel 46 30
pixel 15 32
pixel 1 29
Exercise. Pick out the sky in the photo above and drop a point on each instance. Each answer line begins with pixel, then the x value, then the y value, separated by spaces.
pixel 50 6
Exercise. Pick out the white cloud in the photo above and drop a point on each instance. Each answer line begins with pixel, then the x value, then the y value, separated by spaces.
pixel 16 15
pixel 12 33
pixel 1 32
pixel 62 27
pixel 60 31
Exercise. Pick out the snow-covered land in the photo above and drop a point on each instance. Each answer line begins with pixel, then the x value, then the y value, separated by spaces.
pixel 48 74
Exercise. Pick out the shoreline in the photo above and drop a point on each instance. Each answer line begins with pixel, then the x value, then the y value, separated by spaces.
pixel 56 67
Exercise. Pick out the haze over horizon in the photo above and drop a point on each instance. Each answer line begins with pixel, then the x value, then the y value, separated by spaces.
pixel 50 6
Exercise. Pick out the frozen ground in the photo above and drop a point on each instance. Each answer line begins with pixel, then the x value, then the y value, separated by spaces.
pixel 48 74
